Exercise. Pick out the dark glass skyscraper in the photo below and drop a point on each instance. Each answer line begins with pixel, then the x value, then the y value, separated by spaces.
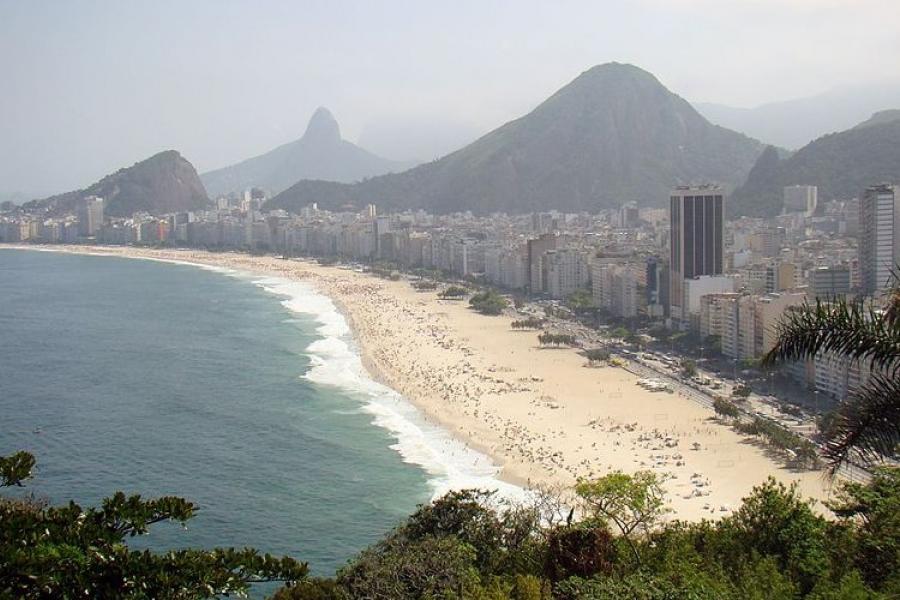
pixel 697 221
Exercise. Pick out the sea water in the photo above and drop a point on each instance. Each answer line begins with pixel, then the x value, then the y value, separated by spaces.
pixel 242 393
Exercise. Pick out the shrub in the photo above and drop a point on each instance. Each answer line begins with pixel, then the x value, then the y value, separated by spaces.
pixel 488 303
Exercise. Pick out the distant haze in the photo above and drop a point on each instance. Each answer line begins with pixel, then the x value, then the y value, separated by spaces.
pixel 794 123
pixel 92 86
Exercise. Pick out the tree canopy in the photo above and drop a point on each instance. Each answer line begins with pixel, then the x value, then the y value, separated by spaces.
pixel 73 552
pixel 866 427
pixel 488 303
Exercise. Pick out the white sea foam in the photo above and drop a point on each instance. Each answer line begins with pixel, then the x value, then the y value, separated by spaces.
pixel 450 464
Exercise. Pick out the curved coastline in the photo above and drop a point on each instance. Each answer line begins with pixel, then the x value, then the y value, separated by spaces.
pixel 340 360
pixel 540 416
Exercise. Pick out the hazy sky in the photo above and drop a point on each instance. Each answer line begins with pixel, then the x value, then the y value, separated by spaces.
pixel 88 87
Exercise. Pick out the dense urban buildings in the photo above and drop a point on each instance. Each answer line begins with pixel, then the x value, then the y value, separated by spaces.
pixel 684 267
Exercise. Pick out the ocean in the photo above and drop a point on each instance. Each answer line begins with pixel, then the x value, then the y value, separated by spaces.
pixel 244 394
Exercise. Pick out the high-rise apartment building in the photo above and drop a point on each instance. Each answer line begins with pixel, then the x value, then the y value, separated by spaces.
pixel 696 241
pixel 90 218
pixel 801 198
pixel 565 271
pixel 616 287
pixel 780 276
pixel 879 236
pixel 536 249
pixel 827 283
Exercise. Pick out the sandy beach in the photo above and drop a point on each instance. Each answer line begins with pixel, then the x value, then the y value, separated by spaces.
pixel 542 415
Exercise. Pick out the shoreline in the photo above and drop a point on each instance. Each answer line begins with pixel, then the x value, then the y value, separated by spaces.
pixel 439 482
pixel 539 415
pixel 380 376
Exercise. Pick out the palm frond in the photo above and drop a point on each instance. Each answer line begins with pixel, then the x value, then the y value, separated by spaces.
pixel 867 425
pixel 856 330
pixel 891 298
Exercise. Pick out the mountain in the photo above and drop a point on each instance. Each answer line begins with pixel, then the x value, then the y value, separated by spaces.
pixel 795 123
pixel 165 182
pixel 881 118
pixel 18 197
pixel 613 134
pixel 319 154
pixel 840 164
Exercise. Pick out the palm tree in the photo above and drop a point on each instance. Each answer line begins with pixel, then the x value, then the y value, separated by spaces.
pixel 867 426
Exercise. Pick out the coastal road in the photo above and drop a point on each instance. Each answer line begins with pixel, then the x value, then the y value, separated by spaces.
pixel 649 373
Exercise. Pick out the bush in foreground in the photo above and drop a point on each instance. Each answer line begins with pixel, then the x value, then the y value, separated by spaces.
pixel 469 545
pixel 74 552
pixel 773 547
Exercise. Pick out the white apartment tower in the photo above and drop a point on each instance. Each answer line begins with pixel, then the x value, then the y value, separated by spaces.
pixel 801 199
pixel 90 217
pixel 879 236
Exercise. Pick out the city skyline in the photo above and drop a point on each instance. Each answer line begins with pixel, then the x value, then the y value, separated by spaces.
pixel 513 299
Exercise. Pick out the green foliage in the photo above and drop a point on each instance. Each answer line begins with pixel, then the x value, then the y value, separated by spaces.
pixel 462 514
pixel 776 522
pixel 163 183
pixel 850 587
pixel 750 363
pixel 876 508
pixel 868 426
pixel 488 303
pixel 453 292
pixel 580 300
pixel 633 338
pixel 713 343
pixel 763 580
pixel 399 567
pixel 457 546
pixel 742 390
pixel 724 408
pixel 424 285
pixel 620 333
pixel 15 469
pixel 68 552
pixel 635 586
pixel 773 547
pixel 840 164
pixel 529 323
pixel 781 439
pixel 556 339
pixel 633 503
pixel 468 545
pixel 580 550
pixel 528 587
pixel 595 355
pixel 688 367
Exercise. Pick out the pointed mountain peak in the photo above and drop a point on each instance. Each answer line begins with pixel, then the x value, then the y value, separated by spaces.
pixel 612 87
pixel 323 127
